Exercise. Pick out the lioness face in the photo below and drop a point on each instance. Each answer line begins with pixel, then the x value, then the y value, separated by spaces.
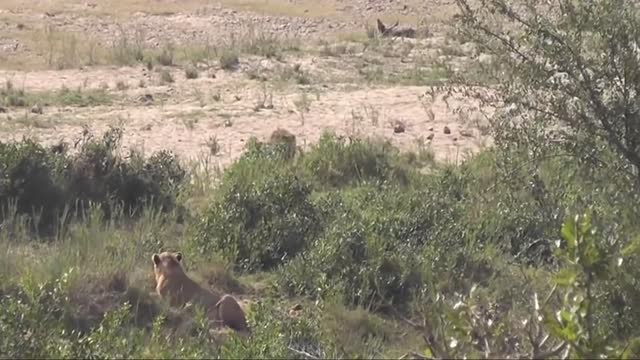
pixel 167 263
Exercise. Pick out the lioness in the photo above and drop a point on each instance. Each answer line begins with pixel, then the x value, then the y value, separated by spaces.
pixel 173 284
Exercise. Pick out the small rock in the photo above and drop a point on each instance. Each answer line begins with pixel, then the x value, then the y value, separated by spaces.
pixel 484 58
pixel 2 110
pixel 398 127
pixel 430 137
pixel 455 139
pixel 227 123
pixel 238 98
pixel 36 109
pixel 146 98
pixel 466 133
pixel 430 129
pixel 447 131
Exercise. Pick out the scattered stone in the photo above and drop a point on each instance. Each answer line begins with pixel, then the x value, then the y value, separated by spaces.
pixel 447 131
pixel 430 137
pixel 146 99
pixel 455 139
pixel 37 109
pixel 466 133
pixel 2 110
pixel 398 127
pixel 430 129
pixel 227 123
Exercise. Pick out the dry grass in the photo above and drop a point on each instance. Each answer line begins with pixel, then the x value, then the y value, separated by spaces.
pixel 304 8
pixel 125 8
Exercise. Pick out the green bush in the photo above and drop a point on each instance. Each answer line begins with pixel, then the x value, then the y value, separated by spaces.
pixel 31 179
pixel 365 256
pixel 36 322
pixel 276 149
pixel 262 215
pixel 33 319
pixel 98 174
pixel 276 335
pixel 333 162
pixel 40 183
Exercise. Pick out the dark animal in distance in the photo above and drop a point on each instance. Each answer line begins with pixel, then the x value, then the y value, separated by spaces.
pixel 394 31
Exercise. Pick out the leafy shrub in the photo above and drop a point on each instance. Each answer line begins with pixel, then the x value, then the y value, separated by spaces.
pixel 33 318
pixel 359 258
pixel 333 162
pixel 38 321
pixel 43 181
pixel 98 174
pixel 277 149
pixel 593 119
pixel 276 335
pixel 31 176
pixel 262 215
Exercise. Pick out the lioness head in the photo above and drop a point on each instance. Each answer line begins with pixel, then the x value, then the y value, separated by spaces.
pixel 167 263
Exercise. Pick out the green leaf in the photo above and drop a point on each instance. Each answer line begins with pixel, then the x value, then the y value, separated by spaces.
pixel 565 277
pixel 569 233
pixel 566 316
pixel 591 254
pixel 632 351
pixel 585 224
pixel 552 324
pixel 632 248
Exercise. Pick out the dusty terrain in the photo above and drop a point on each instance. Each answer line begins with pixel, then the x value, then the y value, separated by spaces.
pixel 306 66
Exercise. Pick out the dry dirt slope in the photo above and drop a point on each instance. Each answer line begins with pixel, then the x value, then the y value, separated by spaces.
pixel 326 73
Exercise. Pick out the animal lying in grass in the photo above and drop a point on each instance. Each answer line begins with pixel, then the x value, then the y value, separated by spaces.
pixel 173 284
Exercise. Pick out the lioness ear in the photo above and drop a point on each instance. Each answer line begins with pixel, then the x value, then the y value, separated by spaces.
pixel 179 256
pixel 156 259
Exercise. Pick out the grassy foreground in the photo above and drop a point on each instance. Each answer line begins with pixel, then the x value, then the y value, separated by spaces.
pixel 351 249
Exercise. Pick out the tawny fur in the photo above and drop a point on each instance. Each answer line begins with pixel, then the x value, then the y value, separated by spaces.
pixel 173 284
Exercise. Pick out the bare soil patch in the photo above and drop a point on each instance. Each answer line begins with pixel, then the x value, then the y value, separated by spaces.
pixel 318 71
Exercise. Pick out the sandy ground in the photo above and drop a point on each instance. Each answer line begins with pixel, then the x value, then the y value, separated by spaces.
pixel 228 107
